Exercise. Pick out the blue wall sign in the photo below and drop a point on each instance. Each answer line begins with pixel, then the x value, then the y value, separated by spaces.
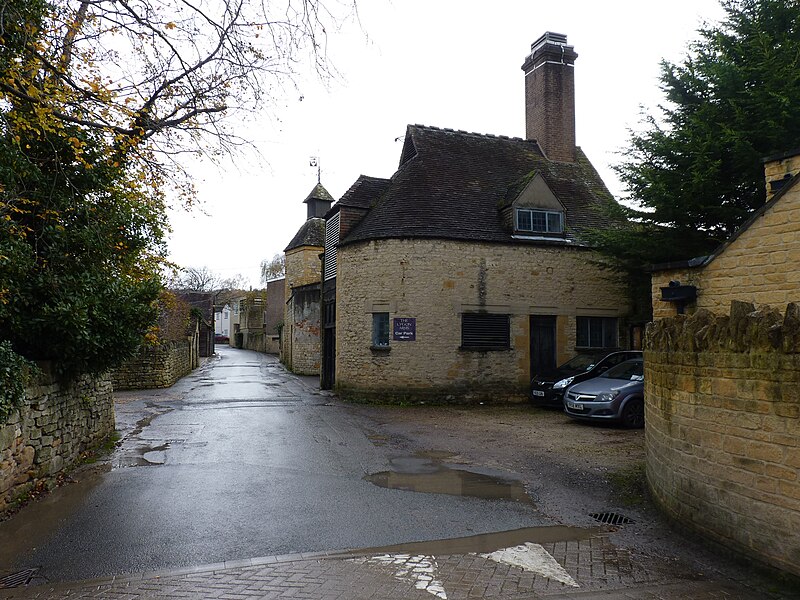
pixel 405 329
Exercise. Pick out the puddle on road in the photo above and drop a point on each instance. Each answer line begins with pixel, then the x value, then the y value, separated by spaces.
pixel 436 454
pixel 40 519
pixel 140 456
pixel 425 473
pixel 487 543
pixel 377 440
pixel 155 455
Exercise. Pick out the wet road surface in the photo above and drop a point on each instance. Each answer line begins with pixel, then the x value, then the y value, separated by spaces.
pixel 242 459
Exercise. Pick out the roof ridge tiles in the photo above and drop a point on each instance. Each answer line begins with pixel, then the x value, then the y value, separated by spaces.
pixel 494 136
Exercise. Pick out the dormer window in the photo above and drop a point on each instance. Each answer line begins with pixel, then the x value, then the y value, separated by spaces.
pixel 532 220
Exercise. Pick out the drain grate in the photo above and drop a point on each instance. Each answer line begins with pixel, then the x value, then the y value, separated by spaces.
pixel 610 518
pixel 17 579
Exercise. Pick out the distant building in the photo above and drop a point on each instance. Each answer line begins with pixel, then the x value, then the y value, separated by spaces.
pixel 222 320
pixel 300 342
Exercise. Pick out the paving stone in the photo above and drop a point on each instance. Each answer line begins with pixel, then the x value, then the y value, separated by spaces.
pixel 601 570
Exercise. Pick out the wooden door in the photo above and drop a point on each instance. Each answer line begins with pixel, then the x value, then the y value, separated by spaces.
pixel 543 343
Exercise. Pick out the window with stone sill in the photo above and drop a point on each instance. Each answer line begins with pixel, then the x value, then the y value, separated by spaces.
pixel 380 330
pixel 531 220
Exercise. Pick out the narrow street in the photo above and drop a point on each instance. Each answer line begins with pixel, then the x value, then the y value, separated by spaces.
pixel 244 481
pixel 239 459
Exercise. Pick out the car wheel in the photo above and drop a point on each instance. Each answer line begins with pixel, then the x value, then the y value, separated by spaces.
pixel 633 414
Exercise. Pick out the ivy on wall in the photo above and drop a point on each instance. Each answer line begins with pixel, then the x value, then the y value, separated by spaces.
pixel 15 374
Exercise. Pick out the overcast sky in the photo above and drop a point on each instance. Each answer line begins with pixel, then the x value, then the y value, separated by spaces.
pixel 444 63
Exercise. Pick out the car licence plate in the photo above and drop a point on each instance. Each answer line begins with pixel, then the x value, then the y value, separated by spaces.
pixel 537 393
pixel 574 405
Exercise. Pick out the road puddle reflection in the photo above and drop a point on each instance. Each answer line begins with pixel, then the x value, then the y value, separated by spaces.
pixel 425 473
pixel 31 527
pixel 488 542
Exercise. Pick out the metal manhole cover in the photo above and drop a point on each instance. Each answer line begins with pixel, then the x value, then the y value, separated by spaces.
pixel 17 579
pixel 610 518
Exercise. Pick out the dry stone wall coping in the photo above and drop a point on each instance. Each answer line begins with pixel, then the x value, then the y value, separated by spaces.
pixel 746 329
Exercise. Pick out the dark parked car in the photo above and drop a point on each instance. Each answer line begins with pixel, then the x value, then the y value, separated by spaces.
pixel 616 395
pixel 548 389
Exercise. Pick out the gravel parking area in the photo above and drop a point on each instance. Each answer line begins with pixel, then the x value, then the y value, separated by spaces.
pixel 571 471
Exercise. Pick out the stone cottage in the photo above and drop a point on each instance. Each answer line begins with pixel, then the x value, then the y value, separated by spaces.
pixel 721 383
pixel 465 272
pixel 300 337
pixel 758 263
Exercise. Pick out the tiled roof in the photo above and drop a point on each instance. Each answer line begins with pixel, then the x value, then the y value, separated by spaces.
pixel 453 185
pixel 203 301
pixel 363 193
pixel 312 233
pixel 319 193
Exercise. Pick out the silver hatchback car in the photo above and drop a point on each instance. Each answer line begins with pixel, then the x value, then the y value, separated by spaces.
pixel 616 395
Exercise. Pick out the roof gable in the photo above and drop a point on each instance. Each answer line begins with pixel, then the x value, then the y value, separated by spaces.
pixel 537 194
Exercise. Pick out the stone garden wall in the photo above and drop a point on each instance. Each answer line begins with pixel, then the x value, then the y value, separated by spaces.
pixel 49 432
pixel 261 342
pixel 722 396
pixel 157 366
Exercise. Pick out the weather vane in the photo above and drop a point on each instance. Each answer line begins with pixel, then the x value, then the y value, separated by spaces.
pixel 314 162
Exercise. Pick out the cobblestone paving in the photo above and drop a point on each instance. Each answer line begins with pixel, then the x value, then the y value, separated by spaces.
pixel 598 569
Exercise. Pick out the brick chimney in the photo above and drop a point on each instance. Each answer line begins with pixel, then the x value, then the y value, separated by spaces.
pixel 550 96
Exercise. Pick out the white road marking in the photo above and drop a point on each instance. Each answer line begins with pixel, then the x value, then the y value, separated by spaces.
pixel 419 569
pixel 534 558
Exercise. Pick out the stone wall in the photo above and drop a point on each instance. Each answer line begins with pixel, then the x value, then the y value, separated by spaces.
pixel 261 342
pixel 780 169
pixel 272 344
pixel 157 366
pixel 663 309
pixel 47 434
pixel 276 301
pixel 304 330
pixel 300 350
pixel 254 340
pixel 303 266
pixel 435 281
pixel 722 396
